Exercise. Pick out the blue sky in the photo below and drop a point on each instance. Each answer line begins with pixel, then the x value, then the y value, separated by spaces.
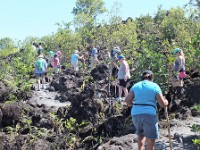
pixel 22 18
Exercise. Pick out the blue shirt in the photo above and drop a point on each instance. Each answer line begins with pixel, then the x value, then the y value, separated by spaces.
pixel 94 52
pixel 115 52
pixel 74 58
pixel 44 66
pixel 145 93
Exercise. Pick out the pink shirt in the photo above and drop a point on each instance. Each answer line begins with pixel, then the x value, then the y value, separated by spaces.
pixel 59 53
pixel 55 62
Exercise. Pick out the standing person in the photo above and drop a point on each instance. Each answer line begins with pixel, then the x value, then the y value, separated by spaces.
pixel 40 49
pixel 59 53
pixel 40 70
pixel 179 66
pixel 142 96
pixel 74 59
pixel 123 76
pixel 56 64
pixel 94 58
pixel 50 57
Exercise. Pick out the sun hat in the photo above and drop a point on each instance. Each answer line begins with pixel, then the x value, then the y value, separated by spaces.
pixel 120 57
pixel 76 51
pixel 176 50
pixel 40 56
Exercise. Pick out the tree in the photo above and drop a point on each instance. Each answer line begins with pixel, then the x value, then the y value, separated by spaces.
pixel 6 43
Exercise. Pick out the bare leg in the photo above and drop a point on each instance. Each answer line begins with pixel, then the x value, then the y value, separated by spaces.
pixel 141 142
pixel 125 91
pixel 120 91
pixel 150 144
pixel 42 81
pixel 38 80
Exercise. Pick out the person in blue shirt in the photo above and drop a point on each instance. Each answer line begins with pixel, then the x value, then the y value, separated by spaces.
pixel 74 60
pixel 40 70
pixel 143 97
pixel 94 57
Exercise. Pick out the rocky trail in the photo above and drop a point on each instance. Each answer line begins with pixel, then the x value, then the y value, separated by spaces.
pixel 65 115
pixel 48 98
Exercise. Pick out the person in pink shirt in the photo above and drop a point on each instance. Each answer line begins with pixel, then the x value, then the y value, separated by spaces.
pixel 59 53
pixel 56 64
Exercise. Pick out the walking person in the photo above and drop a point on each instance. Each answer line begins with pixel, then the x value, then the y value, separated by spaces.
pixel 143 97
pixel 179 66
pixel 123 76
pixel 74 60
pixel 40 70
pixel 56 64
pixel 40 49
pixel 94 57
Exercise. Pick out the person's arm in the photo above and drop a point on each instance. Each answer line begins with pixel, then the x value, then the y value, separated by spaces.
pixel 126 71
pixel 180 61
pixel 129 99
pixel 161 100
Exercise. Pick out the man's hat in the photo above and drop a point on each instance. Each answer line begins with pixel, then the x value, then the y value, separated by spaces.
pixel 120 57
pixel 41 56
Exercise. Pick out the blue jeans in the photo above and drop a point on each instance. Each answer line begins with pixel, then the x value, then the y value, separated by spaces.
pixel 147 125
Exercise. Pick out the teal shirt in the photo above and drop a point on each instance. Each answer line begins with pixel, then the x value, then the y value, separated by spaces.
pixel 145 93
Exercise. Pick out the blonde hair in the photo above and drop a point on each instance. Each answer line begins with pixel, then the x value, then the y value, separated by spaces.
pixel 182 54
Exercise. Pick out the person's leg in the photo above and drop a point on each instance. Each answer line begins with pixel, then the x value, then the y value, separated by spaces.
pixel 92 62
pixel 38 81
pixel 150 144
pixel 43 80
pixel 120 91
pixel 141 142
pixel 150 130
pixel 125 91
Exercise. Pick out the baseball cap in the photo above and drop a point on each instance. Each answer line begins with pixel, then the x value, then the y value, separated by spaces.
pixel 120 57
pixel 176 50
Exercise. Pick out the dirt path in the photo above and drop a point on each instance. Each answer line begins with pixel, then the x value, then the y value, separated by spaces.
pixel 47 98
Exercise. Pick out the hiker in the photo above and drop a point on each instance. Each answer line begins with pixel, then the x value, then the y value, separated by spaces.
pixel 40 70
pixel 59 53
pixel 142 98
pixel 56 64
pixel 40 49
pixel 179 67
pixel 34 46
pixel 94 57
pixel 123 76
pixel 115 53
pixel 50 57
pixel 74 59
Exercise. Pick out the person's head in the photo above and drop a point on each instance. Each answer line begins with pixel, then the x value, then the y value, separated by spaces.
pixel 147 75
pixel 55 55
pixel 121 58
pixel 76 52
pixel 177 51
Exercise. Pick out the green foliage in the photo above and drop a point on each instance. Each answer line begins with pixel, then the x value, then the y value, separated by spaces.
pixel 197 107
pixel 196 142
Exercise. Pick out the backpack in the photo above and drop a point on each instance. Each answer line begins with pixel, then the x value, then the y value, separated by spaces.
pixel 40 64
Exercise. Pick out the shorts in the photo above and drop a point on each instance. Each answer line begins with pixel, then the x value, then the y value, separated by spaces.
pixel 38 75
pixel 123 83
pixel 56 69
pixel 147 125
pixel 75 66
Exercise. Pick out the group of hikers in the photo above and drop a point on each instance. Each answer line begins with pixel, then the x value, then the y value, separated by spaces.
pixel 142 97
